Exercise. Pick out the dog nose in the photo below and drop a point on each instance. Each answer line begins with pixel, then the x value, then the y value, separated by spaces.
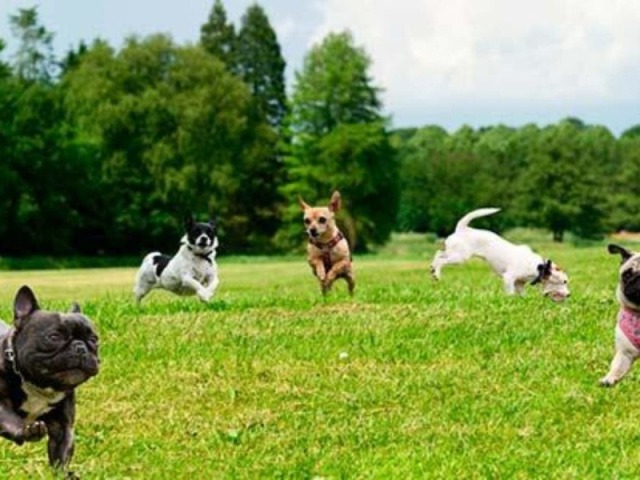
pixel 313 231
pixel 80 348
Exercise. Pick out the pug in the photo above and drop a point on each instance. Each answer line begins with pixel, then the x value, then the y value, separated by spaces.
pixel 627 332
pixel 43 359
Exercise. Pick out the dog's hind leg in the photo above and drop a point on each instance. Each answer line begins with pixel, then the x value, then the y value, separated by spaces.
pixel 145 278
pixel 443 258
pixel 351 282
pixel 140 291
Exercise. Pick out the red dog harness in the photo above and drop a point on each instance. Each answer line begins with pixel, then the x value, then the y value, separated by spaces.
pixel 629 322
pixel 326 249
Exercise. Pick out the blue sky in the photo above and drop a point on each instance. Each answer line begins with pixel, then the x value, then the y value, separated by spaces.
pixel 446 62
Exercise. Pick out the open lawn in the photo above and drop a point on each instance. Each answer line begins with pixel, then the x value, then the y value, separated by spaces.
pixel 409 379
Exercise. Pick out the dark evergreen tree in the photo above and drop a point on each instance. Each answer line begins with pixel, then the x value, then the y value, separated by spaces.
pixel 260 64
pixel 218 36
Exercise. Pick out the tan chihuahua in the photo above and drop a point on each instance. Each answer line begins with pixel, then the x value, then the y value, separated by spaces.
pixel 327 251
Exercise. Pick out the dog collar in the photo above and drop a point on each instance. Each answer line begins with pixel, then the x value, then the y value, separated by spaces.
pixel 52 396
pixel 629 323
pixel 329 245
pixel 326 248
pixel 10 353
pixel 204 256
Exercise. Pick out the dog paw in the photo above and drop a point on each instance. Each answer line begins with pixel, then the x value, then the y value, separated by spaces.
pixel 434 274
pixel 33 432
pixel 607 382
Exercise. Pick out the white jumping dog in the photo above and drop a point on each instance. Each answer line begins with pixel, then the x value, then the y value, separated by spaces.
pixel 516 264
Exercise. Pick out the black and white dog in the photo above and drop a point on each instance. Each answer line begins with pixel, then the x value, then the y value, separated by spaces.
pixel 193 270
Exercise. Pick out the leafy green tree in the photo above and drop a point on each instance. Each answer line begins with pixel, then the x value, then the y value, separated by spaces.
pixel 34 59
pixel 218 37
pixel 261 65
pixel 631 132
pixel 340 142
pixel 418 158
pixel 173 131
pixel 563 181
pixel 623 202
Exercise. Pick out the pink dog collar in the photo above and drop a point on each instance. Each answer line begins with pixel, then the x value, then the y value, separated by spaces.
pixel 629 322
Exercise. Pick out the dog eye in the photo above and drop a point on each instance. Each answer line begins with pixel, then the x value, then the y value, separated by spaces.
pixel 307 221
pixel 322 220
pixel 55 337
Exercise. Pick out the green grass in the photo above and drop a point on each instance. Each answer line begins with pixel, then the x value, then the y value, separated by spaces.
pixel 441 380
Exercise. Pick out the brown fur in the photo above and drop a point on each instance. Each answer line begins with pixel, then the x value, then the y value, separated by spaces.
pixel 321 220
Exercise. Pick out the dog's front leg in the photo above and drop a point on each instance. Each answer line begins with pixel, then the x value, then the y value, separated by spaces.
pixel 620 365
pixel 194 285
pixel 625 355
pixel 60 430
pixel 15 429
pixel 211 282
pixel 317 265
pixel 509 284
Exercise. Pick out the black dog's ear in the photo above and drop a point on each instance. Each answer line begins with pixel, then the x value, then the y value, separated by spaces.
pixel 24 304
pixel 188 222
pixel 75 308
pixel 624 253
pixel 544 271
pixel 213 221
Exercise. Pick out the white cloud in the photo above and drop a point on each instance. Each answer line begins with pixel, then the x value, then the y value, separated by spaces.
pixel 436 52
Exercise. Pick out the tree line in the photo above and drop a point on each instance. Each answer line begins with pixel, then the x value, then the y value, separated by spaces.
pixel 565 177
pixel 104 150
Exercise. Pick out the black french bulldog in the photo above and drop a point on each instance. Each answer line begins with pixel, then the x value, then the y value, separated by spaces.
pixel 43 358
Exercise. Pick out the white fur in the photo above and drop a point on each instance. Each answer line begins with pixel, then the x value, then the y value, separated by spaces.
pixel 516 264
pixel 625 351
pixel 39 400
pixel 185 274
pixel 626 354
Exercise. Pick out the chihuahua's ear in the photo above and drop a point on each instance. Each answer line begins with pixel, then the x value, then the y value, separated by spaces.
pixel 75 308
pixel 24 305
pixel 303 204
pixel 188 221
pixel 623 252
pixel 335 202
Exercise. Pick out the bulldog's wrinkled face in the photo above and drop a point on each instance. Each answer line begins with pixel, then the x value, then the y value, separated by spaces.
pixel 320 220
pixel 57 350
pixel 201 236
pixel 554 281
pixel 628 290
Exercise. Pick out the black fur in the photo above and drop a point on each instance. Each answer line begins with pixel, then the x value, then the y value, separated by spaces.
pixel 631 285
pixel 544 271
pixel 47 351
pixel 161 261
pixel 195 229
pixel 623 252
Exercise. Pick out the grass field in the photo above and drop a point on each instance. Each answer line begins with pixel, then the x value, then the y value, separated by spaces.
pixel 409 379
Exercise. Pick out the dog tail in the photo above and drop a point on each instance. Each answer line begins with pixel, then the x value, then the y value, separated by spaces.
pixel 481 212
